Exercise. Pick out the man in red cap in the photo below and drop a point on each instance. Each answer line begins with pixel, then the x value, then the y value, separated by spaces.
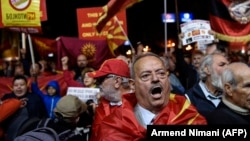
pixel 114 79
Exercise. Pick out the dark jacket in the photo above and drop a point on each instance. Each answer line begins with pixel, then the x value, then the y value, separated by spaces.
pixel 49 101
pixel 225 115
pixel 34 105
pixel 60 126
pixel 187 74
pixel 34 109
pixel 65 131
pixel 198 99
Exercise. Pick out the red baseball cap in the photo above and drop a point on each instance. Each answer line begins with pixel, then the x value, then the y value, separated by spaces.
pixel 112 66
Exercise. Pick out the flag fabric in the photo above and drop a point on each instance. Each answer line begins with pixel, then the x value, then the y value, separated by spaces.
pixel 111 9
pixel 9 44
pixel 43 46
pixel 6 83
pixel 116 36
pixel 227 26
pixel 8 39
pixel 97 51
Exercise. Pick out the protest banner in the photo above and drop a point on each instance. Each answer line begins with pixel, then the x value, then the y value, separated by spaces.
pixel 196 31
pixel 83 93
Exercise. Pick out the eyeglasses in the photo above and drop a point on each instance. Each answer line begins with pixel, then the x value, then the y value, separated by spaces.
pixel 161 74
pixel 102 79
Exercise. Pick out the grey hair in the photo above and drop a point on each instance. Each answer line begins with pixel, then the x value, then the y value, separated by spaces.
pixel 228 76
pixel 125 83
pixel 142 56
pixel 166 61
pixel 207 61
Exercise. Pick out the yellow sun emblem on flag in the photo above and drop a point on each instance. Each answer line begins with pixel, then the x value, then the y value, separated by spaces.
pixel 89 50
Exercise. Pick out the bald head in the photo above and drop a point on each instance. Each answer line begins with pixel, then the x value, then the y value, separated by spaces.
pixel 82 61
pixel 236 82
pixel 239 68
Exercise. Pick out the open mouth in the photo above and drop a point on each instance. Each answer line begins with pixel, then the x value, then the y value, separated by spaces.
pixel 156 90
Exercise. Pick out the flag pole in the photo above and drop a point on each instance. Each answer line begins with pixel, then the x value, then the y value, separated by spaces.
pixel 165 28
pixel 177 17
pixel 23 40
pixel 31 52
pixel 131 46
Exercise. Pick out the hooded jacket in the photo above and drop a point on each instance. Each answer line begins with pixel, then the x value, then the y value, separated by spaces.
pixel 49 101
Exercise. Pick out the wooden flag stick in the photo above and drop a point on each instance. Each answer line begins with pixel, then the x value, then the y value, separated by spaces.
pixel 124 33
pixel 23 41
pixel 31 52
pixel 165 29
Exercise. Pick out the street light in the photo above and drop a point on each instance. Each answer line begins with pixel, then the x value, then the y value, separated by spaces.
pixel 170 43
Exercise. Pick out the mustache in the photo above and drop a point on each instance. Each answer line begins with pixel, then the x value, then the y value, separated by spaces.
pixel 156 88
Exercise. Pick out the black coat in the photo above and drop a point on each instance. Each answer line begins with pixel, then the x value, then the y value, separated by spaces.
pixel 61 126
pixel 24 117
pixel 198 99
pixel 224 115
pixel 35 105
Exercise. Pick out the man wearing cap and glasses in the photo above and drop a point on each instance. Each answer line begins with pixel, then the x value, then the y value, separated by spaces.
pixel 151 103
pixel 114 79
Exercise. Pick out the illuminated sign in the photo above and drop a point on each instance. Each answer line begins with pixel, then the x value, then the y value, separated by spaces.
pixel 185 17
pixel 168 17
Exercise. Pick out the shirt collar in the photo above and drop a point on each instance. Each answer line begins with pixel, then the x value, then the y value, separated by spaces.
pixel 209 96
pixel 208 93
pixel 119 103
pixel 146 115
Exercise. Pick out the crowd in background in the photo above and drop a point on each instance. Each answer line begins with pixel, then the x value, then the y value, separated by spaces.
pixel 145 89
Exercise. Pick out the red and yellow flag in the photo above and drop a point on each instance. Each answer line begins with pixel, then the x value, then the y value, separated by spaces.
pixel 116 35
pixel 6 83
pixel 95 50
pixel 111 9
pixel 227 20
pixel 44 46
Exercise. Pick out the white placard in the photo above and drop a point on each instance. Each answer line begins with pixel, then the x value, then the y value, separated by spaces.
pixel 84 93
pixel 196 31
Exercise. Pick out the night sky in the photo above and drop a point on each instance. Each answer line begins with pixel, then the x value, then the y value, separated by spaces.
pixel 144 21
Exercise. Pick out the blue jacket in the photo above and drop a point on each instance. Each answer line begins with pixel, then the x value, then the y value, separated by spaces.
pixel 49 101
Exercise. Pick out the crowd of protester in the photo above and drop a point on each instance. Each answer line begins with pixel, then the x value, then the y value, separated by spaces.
pixel 146 89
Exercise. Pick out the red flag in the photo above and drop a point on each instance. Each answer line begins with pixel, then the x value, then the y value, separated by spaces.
pixel 111 9
pixel 95 50
pixel 6 83
pixel 43 81
pixel 44 46
pixel 228 25
pixel 116 35
pixel 9 44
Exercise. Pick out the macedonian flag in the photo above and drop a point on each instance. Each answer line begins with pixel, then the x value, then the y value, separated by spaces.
pixel 111 9
pixel 95 50
pixel 116 35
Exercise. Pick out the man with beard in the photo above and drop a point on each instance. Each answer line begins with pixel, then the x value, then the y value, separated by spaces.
pixel 114 79
pixel 82 62
pixel 151 103
pixel 206 95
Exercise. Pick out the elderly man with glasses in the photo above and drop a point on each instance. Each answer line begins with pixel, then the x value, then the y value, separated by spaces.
pixel 114 79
